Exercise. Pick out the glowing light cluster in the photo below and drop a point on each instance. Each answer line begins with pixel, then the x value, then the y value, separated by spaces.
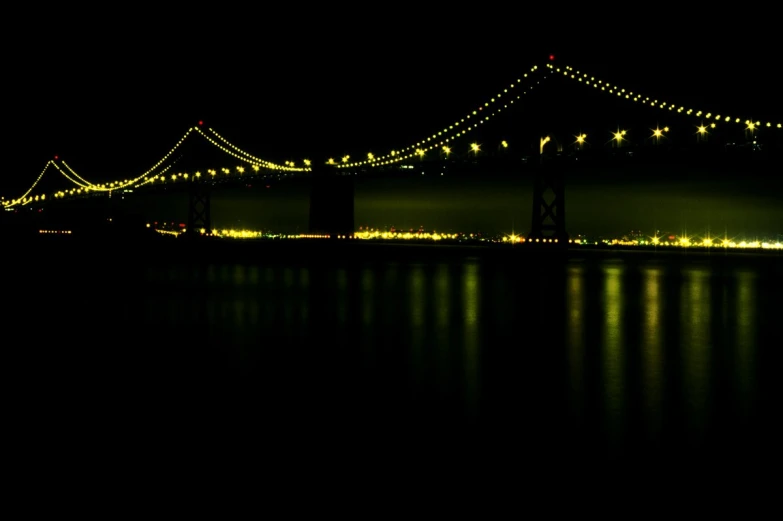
pixel 407 236
pixel 671 241
pixel 589 80
pixel 361 234
pixel 685 241
pixel 238 234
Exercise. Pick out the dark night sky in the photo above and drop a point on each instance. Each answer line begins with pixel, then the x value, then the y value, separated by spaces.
pixel 112 91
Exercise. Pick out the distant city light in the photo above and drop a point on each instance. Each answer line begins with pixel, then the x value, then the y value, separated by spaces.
pixel 634 239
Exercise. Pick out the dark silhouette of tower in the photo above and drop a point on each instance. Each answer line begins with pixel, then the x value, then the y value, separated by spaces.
pixel 199 208
pixel 549 203
pixel 331 201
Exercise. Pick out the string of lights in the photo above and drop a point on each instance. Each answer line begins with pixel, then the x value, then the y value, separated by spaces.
pixel 589 80
pixel 84 184
pixel 74 178
pixel 23 199
pixel 437 141
pixel 242 155
pixel 440 139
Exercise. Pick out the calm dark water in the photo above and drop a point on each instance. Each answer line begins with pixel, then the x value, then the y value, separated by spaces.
pixel 534 360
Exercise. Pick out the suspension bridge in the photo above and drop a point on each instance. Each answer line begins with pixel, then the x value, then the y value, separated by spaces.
pixel 547 152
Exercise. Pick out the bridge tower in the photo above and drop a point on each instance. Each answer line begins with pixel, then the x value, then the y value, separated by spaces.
pixel 199 202
pixel 549 204
pixel 331 201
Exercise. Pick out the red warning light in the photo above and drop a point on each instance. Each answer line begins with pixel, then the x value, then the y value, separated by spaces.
pixel 551 57
pixel 200 123
pixel 56 158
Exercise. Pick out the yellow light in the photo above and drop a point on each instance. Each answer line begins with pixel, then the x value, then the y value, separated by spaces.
pixel 541 142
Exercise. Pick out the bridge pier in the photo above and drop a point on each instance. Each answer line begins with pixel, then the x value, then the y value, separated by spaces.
pixel 331 202
pixel 199 211
pixel 549 205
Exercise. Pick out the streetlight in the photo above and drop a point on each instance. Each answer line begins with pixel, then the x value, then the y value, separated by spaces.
pixel 751 127
pixel 543 141
pixel 658 134
pixel 619 137
pixel 701 134
pixel 580 141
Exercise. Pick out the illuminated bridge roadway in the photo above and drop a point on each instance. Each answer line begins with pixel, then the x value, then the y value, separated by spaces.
pixel 455 147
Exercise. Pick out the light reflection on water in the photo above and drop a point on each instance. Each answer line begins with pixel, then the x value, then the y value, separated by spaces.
pixel 417 349
pixel 624 354
pixel 613 348
pixel 746 338
pixel 696 348
pixel 575 340
pixel 470 336
pixel 651 340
